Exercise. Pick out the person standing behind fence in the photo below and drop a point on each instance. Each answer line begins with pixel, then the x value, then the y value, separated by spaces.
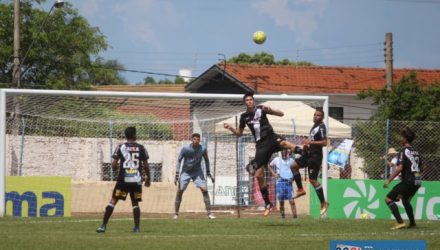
pixel 283 165
pixel 409 164
pixel 312 158
pixel 192 155
pixel 391 159
pixel 133 165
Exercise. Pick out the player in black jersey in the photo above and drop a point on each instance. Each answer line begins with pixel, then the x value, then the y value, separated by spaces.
pixel 312 158
pixel 133 167
pixel 409 164
pixel 268 142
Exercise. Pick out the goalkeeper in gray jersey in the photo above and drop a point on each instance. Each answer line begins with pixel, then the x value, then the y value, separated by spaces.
pixel 192 155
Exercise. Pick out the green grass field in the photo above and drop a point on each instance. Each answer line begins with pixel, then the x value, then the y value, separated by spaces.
pixel 189 233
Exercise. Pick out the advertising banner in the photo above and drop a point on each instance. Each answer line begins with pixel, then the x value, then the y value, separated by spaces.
pixel 362 199
pixel 339 156
pixel 38 196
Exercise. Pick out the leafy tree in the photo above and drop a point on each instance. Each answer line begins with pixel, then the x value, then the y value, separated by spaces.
pixel 105 72
pixel 165 81
pixel 264 58
pixel 407 101
pixel 179 80
pixel 149 80
pixel 61 56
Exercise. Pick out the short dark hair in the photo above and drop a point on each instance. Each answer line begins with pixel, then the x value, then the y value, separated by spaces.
pixel 130 133
pixel 408 134
pixel 248 94
pixel 319 109
pixel 195 135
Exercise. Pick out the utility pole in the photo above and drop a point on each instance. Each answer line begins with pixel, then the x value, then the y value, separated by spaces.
pixel 16 72
pixel 389 59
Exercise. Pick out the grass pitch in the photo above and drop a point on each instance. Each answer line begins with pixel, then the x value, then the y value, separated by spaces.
pixel 197 233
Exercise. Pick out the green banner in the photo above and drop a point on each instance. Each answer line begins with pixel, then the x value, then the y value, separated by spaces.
pixel 356 198
pixel 37 196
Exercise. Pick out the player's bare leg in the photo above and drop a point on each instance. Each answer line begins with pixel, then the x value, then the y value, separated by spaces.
pixel 177 202
pixel 283 214
pixel 259 173
pixel 293 208
pixel 320 193
pixel 297 178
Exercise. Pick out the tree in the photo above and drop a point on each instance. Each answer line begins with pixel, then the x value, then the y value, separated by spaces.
pixel 179 80
pixel 264 58
pixel 62 54
pixel 104 72
pixel 149 80
pixel 408 104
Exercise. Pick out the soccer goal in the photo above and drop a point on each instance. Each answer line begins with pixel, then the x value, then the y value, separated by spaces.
pixel 56 147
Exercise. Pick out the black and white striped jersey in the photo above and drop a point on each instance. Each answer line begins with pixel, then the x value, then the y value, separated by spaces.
pixel 411 163
pixel 257 122
pixel 317 133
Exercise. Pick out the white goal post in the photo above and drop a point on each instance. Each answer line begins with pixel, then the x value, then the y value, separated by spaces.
pixel 81 106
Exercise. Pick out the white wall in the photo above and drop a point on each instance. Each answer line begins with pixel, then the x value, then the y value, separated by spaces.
pixel 353 107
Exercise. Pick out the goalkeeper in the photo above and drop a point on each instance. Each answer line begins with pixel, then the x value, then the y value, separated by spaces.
pixel 192 155
pixel 133 162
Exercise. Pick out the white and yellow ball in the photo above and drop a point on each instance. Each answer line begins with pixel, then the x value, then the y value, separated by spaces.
pixel 365 216
pixel 259 37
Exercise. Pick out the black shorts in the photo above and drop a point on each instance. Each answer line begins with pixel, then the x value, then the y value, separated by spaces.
pixel 122 189
pixel 405 190
pixel 313 162
pixel 266 147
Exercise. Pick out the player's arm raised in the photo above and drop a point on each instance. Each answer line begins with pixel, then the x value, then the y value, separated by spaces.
pixel 272 111
pixel 236 131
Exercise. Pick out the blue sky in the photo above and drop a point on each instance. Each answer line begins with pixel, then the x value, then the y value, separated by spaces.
pixel 166 35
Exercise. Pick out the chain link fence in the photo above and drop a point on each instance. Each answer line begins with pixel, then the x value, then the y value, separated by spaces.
pixel 373 139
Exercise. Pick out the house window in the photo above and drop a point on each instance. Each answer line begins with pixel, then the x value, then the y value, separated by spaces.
pixel 336 113
pixel 155 172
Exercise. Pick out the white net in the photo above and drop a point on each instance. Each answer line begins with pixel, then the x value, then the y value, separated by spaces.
pixel 71 135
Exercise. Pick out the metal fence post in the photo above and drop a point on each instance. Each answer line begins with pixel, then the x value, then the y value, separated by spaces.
pixel 387 141
pixel 110 137
pixel 23 128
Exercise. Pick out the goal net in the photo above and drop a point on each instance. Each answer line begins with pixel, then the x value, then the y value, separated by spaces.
pixel 56 148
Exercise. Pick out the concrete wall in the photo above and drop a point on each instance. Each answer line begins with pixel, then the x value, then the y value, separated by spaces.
pixel 353 107
pixel 82 158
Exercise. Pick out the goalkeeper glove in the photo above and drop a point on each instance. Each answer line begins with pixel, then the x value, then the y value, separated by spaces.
pixel 210 176
pixel 176 179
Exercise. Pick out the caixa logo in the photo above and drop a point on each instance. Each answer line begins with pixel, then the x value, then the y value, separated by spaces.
pixel 51 203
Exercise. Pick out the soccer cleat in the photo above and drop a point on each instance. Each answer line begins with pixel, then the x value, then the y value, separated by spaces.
pixel 175 217
pixel 299 193
pixel 136 230
pixel 412 225
pixel 250 169
pixel 324 207
pixel 398 226
pixel 211 216
pixel 268 209
pixel 295 216
pixel 101 229
pixel 283 215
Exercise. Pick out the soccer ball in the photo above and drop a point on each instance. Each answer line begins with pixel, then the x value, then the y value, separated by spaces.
pixel 259 37
pixel 365 216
